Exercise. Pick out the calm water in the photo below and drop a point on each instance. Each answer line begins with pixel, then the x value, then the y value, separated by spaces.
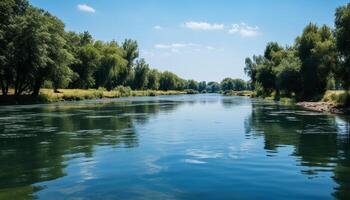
pixel 174 147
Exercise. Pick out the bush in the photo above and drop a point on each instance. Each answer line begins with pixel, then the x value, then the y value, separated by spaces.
pixel 124 91
pixel 339 98
pixel 190 91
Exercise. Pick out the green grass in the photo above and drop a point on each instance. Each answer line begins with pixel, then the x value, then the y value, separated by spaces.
pixel 48 95
pixel 246 93
pixel 337 97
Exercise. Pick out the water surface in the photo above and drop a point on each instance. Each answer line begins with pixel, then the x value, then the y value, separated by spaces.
pixel 173 147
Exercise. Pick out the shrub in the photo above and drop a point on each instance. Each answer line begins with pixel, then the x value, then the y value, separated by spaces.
pixel 190 91
pixel 124 91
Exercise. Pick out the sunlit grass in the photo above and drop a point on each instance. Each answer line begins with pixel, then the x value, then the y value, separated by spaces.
pixel 337 97
pixel 81 94
pixel 247 93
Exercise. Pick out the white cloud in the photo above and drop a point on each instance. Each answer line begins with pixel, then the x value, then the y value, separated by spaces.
pixel 203 26
pixel 86 8
pixel 157 27
pixel 174 45
pixel 244 30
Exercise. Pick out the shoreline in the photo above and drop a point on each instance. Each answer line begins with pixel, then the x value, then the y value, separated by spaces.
pixel 319 106
pixel 48 96
pixel 324 107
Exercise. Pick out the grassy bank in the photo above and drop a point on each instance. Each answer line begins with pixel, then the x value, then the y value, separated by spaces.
pixel 48 95
pixel 246 93
pixel 336 98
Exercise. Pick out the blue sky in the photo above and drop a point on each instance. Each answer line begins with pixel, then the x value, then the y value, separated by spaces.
pixel 198 39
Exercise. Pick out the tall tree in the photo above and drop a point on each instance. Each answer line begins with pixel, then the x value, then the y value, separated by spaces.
pixel 342 34
pixel 317 53
pixel 87 60
pixel 153 79
pixel 10 10
pixel 110 66
pixel 38 50
pixel 141 74
pixel 131 52
pixel 288 77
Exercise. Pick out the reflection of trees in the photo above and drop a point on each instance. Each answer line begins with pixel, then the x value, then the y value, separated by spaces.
pixel 318 140
pixel 35 149
pixel 229 102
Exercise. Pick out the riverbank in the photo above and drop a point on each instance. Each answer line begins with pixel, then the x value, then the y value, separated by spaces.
pixel 245 93
pixel 333 101
pixel 323 107
pixel 48 95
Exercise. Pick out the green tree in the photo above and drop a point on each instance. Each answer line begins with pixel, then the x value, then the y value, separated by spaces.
pixel 131 52
pixel 239 85
pixel 288 77
pixel 227 84
pixel 39 50
pixel 87 60
pixel 111 65
pixel 202 86
pixel 10 10
pixel 192 85
pixel 153 79
pixel 317 53
pixel 213 87
pixel 342 35
pixel 141 74
pixel 168 81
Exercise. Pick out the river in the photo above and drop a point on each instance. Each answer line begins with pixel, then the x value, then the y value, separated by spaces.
pixel 173 147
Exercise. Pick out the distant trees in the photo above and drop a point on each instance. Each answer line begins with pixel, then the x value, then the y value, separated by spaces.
pixel 213 87
pixel 319 58
pixel 169 81
pixel 233 84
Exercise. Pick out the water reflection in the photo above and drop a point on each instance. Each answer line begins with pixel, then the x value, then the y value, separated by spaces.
pixel 37 141
pixel 191 147
pixel 320 141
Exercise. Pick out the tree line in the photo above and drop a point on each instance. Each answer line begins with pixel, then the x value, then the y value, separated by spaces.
pixel 318 60
pixel 36 51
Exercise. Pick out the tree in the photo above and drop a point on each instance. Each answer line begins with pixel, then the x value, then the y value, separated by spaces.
pixel 202 86
pixel 87 60
pixel 111 65
pixel 316 51
pixel 167 81
pixel 10 10
pixel 131 52
pixel 239 84
pixel 342 35
pixel 39 50
pixel 288 77
pixel 271 49
pixel 141 74
pixel 251 66
pixel 192 85
pixel 227 84
pixel 153 79
pixel 213 87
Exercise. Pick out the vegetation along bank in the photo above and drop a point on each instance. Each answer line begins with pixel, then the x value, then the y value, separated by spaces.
pixel 316 68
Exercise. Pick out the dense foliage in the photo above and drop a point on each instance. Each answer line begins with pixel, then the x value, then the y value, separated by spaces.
pixel 318 60
pixel 36 52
